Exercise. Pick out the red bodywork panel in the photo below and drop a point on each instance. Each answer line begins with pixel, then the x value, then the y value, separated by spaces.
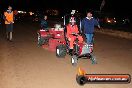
pixel 44 33
pixel 80 47
pixel 58 34
pixel 56 38
pixel 53 43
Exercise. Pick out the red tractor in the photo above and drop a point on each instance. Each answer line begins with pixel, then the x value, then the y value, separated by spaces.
pixel 51 38
pixel 55 39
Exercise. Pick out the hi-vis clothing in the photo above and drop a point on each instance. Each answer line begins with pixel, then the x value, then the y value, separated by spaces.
pixel 9 17
pixel 73 29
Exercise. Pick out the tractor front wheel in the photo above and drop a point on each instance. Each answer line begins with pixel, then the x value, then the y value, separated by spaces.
pixel 40 40
pixel 74 60
pixel 61 51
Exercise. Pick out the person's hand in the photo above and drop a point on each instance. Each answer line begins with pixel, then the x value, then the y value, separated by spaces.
pixel 101 29
pixel 99 26
pixel 73 33
pixel 80 34
pixel 8 21
pixel 11 22
pixel 69 39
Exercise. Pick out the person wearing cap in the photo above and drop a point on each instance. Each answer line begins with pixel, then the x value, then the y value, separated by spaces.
pixel 71 29
pixel 88 25
pixel 9 20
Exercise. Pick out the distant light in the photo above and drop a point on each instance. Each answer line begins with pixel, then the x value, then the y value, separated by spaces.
pixel 73 11
pixel 31 13
pixel 108 21
pixel 21 12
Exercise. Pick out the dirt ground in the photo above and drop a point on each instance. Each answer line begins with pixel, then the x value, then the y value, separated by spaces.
pixel 25 65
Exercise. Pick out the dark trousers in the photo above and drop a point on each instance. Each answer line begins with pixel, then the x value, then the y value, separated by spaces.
pixel 9 30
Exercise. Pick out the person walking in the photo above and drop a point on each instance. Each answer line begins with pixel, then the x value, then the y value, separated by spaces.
pixel 88 24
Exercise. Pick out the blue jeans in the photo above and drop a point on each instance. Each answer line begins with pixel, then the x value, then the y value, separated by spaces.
pixel 89 38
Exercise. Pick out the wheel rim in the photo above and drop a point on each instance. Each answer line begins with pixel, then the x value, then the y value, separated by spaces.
pixel 58 51
pixel 72 60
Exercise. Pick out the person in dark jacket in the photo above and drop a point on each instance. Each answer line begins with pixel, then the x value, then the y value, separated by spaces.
pixel 88 25
pixel 44 23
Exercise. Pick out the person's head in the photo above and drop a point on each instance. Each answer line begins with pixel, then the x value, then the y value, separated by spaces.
pixel 9 8
pixel 89 13
pixel 72 21
pixel 45 17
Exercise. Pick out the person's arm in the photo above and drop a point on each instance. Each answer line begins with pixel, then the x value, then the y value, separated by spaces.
pixel 4 16
pixel 82 26
pixel 46 24
pixel 41 24
pixel 76 29
pixel 68 31
pixel 96 23
pixel 13 17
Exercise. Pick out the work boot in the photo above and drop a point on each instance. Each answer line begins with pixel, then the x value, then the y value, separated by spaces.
pixel 7 35
pixel 10 40
pixel 10 36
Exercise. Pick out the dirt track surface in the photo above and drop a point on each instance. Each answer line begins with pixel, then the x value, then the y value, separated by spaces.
pixel 25 65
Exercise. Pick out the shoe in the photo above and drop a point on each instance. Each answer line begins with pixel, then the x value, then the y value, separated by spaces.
pixel 11 40
pixel 7 39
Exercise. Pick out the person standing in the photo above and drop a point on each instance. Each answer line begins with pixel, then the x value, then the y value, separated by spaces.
pixel 88 25
pixel 44 23
pixel 9 20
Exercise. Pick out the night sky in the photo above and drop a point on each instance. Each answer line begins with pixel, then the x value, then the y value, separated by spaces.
pixel 117 6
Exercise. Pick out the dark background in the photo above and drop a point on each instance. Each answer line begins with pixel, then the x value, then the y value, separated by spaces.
pixel 119 7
